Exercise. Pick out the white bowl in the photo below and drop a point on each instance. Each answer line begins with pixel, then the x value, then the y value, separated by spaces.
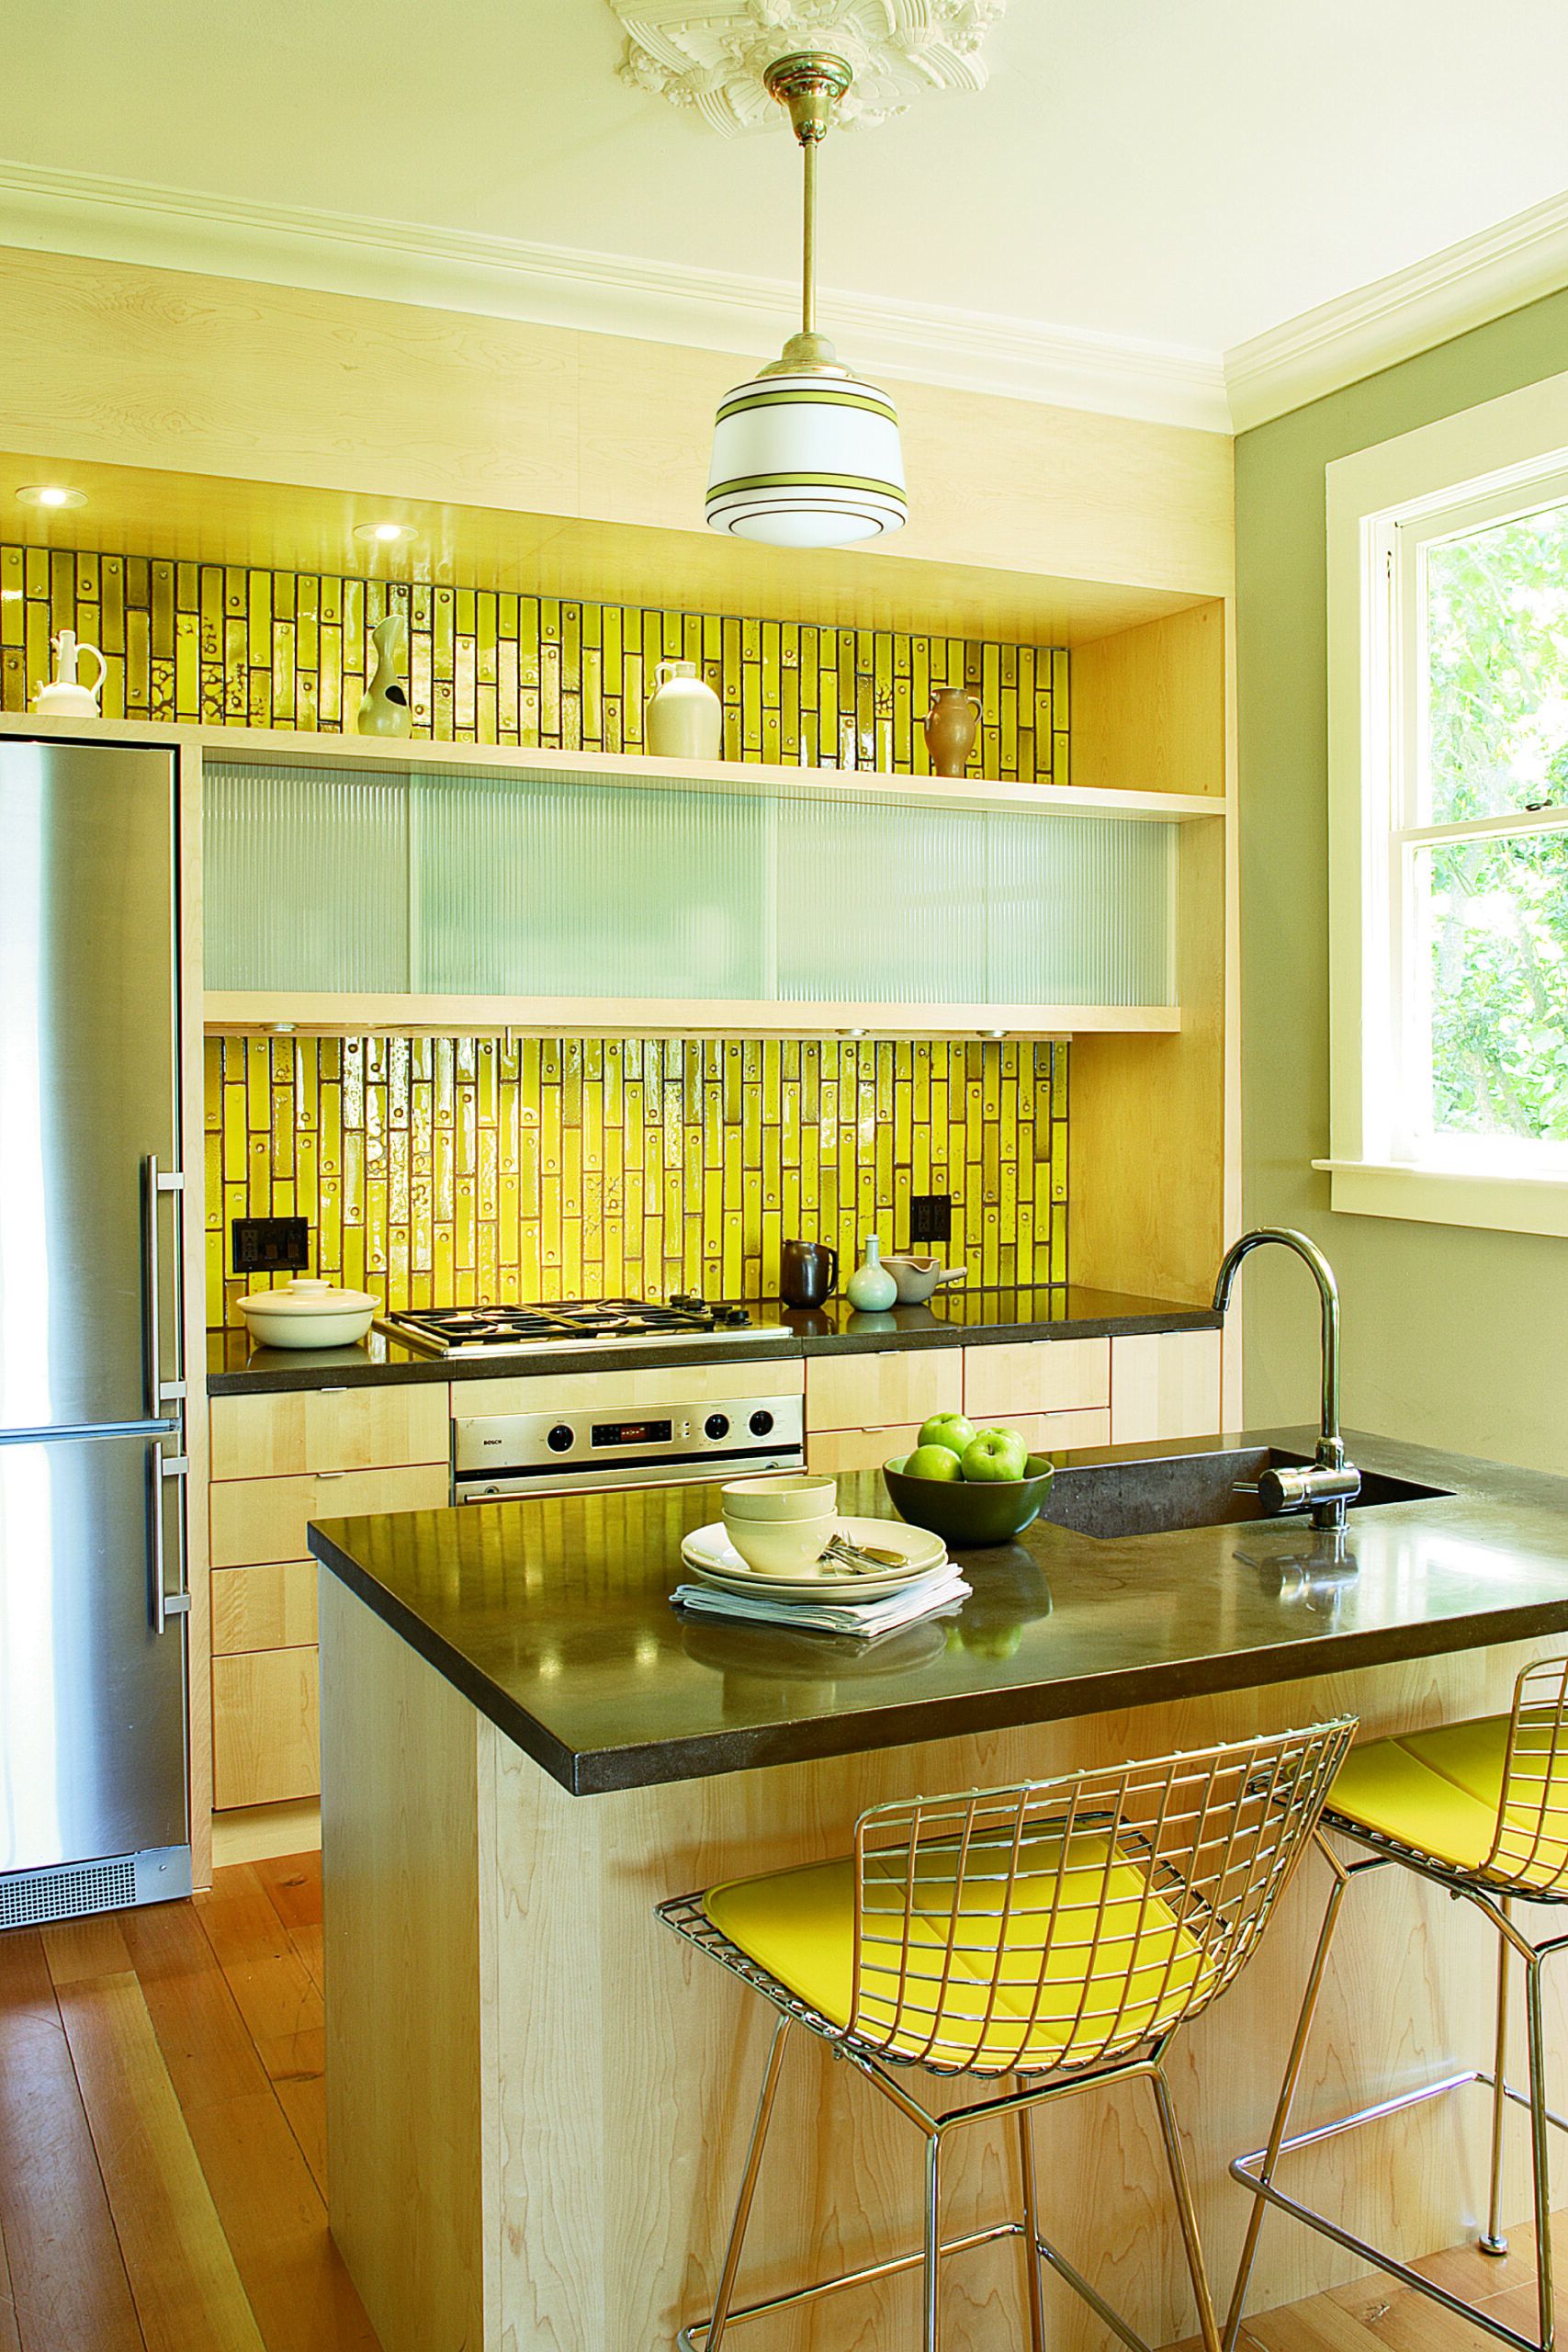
pixel 778 1498
pixel 780 1547
pixel 308 1313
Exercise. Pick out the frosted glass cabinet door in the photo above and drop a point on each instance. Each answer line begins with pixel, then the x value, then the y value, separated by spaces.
pixel 582 889
pixel 1079 911
pixel 305 880
pixel 880 906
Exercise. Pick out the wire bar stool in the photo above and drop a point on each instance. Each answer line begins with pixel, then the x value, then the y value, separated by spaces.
pixel 1481 1809
pixel 1056 1933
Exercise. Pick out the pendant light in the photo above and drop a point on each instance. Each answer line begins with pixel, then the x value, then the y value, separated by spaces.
pixel 805 454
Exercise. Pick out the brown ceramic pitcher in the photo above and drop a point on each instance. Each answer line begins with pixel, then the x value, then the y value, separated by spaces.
pixel 809 1272
pixel 951 726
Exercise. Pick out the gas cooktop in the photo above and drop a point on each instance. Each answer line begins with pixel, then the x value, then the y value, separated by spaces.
pixel 597 1323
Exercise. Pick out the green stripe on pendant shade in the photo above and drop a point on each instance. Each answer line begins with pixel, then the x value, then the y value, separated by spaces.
pixel 867 483
pixel 785 395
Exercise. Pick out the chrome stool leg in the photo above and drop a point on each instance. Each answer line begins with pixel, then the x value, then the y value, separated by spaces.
pixel 1186 2210
pixel 1031 2228
pixel 1281 2122
pixel 720 2320
pixel 1540 2160
pixel 1492 2240
pixel 932 2267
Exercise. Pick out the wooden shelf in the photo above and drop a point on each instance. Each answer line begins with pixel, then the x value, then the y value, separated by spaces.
pixel 285 747
pixel 237 1013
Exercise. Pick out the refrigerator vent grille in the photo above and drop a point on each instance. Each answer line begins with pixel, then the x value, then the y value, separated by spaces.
pixel 31 1901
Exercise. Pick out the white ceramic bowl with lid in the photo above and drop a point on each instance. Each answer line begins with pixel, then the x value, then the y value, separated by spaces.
pixel 307 1313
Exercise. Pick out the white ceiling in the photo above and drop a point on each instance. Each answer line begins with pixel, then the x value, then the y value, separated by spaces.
pixel 1186 172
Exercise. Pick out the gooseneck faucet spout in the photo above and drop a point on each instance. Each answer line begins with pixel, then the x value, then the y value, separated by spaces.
pixel 1333 1483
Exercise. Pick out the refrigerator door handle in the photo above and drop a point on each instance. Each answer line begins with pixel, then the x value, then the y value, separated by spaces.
pixel 155 1184
pixel 166 1607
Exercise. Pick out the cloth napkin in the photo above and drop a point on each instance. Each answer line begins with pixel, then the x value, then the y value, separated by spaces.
pixel 933 1596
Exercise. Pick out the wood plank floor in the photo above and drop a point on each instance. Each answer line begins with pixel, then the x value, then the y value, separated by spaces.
pixel 163 2128
pixel 163 2149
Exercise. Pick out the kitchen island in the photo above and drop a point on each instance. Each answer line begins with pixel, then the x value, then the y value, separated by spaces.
pixel 525 1748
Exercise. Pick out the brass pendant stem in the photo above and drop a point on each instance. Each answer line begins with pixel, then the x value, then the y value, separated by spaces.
pixel 809 259
pixel 810 85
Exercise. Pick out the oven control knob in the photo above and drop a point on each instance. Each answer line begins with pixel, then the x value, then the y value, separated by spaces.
pixel 761 1424
pixel 716 1426
pixel 559 1438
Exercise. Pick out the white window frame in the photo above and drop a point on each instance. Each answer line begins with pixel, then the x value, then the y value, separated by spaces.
pixel 1385 506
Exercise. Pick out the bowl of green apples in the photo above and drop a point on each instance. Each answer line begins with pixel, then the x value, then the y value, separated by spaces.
pixel 970 1487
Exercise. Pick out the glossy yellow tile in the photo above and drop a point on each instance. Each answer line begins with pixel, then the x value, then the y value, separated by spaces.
pixel 442 1170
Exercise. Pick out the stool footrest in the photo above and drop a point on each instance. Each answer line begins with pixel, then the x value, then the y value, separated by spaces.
pixel 694 2338
pixel 1243 2169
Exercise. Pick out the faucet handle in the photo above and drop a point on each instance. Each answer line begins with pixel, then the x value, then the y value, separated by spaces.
pixel 1313 1487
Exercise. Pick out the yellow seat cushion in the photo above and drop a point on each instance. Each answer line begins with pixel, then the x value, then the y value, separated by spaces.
pixel 1119 1965
pixel 1439 1791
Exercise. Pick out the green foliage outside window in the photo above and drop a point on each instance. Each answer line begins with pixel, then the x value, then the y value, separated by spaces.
pixel 1497 910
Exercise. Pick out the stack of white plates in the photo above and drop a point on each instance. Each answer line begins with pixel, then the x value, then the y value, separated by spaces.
pixel 830 1596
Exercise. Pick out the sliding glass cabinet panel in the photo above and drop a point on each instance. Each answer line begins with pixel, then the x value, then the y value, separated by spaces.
pixel 305 880
pixel 531 889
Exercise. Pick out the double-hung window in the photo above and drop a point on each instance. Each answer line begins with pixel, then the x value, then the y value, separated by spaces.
pixel 1448 820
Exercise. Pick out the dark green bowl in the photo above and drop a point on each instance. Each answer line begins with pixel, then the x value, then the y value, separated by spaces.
pixel 969 1512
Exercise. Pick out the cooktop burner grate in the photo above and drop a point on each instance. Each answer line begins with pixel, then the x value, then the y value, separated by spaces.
pixel 451 1330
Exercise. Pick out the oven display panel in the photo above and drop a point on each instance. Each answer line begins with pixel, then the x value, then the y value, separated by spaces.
pixel 632 1432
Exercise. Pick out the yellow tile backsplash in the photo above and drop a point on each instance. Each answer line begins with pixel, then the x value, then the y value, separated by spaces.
pixel 225 644
pixel 446 1170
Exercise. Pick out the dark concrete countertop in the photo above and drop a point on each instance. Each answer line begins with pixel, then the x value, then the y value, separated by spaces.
pixel 956 1317
pixel 552 1616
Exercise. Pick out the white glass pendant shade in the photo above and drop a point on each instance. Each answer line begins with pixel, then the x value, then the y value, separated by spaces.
pixel 806 460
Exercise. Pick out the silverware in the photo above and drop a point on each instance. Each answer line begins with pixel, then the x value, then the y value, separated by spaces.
pixel 862 1557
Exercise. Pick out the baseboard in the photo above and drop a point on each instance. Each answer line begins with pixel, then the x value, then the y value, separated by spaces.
pixel 256 1833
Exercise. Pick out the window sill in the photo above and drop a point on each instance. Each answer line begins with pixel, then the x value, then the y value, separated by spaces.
pixel 1444 1196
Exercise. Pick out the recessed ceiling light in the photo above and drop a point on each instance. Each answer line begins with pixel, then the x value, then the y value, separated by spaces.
pixel 50 494
pixel 385 534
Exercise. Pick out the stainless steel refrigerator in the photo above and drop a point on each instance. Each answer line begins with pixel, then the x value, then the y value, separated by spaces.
pixel 94 1786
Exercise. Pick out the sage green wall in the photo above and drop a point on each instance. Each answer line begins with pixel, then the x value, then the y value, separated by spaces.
pixel 1453 1338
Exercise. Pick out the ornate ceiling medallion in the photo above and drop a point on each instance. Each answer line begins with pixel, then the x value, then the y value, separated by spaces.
pixel 713 55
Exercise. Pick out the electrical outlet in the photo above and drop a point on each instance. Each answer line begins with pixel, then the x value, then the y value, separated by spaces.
pixel 930 1217
pixel 271 1245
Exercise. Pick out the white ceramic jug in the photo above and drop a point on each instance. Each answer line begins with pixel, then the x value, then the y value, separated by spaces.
pixel 685 717
pixel 65 696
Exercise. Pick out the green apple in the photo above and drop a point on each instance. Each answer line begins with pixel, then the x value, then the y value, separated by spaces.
pixel 946 1429
pixel 933 1462
pixel 995 1454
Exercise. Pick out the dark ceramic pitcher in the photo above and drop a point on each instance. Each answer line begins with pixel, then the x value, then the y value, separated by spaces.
pixel 809 1272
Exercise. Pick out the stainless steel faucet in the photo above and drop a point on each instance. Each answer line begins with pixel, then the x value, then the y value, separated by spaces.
pixel 1332 1483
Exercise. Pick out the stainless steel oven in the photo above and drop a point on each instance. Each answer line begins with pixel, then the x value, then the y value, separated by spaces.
pixel 497 1455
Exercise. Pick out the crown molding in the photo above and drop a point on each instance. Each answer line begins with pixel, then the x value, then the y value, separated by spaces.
pixel 333 253
pixel 1320 352
pixel 1465 286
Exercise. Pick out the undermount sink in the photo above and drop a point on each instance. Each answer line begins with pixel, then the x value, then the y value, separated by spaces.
pixel 1165 1493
